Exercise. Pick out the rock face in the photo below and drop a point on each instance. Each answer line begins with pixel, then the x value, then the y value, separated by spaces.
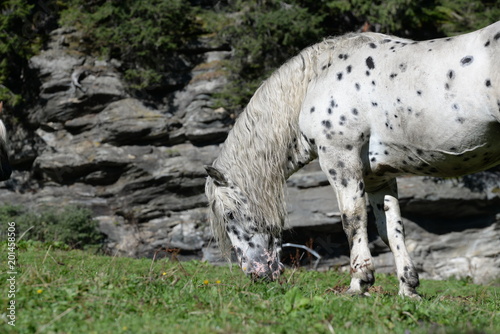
pixel 139 167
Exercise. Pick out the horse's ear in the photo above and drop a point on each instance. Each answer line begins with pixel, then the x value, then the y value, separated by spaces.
pixel 219 178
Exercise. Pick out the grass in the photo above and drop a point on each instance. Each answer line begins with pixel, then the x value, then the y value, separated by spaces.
pixel 61 291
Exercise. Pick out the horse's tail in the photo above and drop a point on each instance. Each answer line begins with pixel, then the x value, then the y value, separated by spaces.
pixel 5 168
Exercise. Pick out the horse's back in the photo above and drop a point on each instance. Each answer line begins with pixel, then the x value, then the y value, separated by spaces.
pixel 431 101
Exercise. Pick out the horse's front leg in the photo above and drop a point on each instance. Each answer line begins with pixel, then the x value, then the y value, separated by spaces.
pixel 345 176
pixel 390 228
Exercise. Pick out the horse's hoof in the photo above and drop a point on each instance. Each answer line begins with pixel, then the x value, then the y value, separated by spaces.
pixel 410 293
pixel 356 292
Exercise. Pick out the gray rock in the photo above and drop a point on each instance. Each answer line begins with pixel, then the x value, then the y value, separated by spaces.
pixel 126 122
pixel 73 84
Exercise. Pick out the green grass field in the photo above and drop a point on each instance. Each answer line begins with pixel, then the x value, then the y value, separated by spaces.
pixel 69 291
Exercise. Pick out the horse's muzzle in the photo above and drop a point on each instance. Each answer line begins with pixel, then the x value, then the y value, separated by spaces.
pixel 265 272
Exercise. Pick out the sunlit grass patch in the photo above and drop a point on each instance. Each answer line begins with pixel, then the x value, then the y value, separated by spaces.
pixel 61 291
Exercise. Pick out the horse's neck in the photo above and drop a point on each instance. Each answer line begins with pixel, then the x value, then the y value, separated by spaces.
pixel 269 125
pixel 299 155
pixel 265 146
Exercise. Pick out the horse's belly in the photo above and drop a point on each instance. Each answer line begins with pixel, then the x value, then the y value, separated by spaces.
pixel 460 156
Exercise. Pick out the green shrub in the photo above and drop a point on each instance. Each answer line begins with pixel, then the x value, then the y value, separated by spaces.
pixel 263 35
pixel 72 226
pixel 149 37
pixel 458 16
pixel 420 19
pixel 17 45
pixel 142 34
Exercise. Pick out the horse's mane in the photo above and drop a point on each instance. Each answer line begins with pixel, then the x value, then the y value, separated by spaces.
pixel 255 154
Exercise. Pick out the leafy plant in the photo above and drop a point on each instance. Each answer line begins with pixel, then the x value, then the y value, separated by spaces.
pixel 149 37
pixel 457 16
pixel 20 38
pixel 71 226
pixel 142 34
pixel 263 35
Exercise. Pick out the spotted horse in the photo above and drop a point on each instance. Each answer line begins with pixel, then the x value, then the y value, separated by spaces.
pixel 370 107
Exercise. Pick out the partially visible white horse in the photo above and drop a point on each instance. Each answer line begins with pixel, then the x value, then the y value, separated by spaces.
pixel 5 169
pixel 371 107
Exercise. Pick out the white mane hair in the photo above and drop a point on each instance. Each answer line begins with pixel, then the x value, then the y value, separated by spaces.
pixel 255 155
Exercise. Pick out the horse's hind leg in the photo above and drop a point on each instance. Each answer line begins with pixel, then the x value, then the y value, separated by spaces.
pixel 390 228
pixel 345 176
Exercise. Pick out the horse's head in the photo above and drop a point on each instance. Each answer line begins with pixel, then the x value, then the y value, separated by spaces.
pixel 5 169
pixel 256 245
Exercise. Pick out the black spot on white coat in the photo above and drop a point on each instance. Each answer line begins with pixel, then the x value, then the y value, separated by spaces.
pixel 467 60
pixel 370 63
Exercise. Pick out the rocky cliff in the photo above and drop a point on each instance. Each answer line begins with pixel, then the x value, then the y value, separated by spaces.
pixel 138 165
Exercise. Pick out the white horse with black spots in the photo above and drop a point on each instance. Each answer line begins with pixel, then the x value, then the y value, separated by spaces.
pixel 370 107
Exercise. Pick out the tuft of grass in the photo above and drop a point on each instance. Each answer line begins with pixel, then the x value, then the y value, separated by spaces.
pixel 61 291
